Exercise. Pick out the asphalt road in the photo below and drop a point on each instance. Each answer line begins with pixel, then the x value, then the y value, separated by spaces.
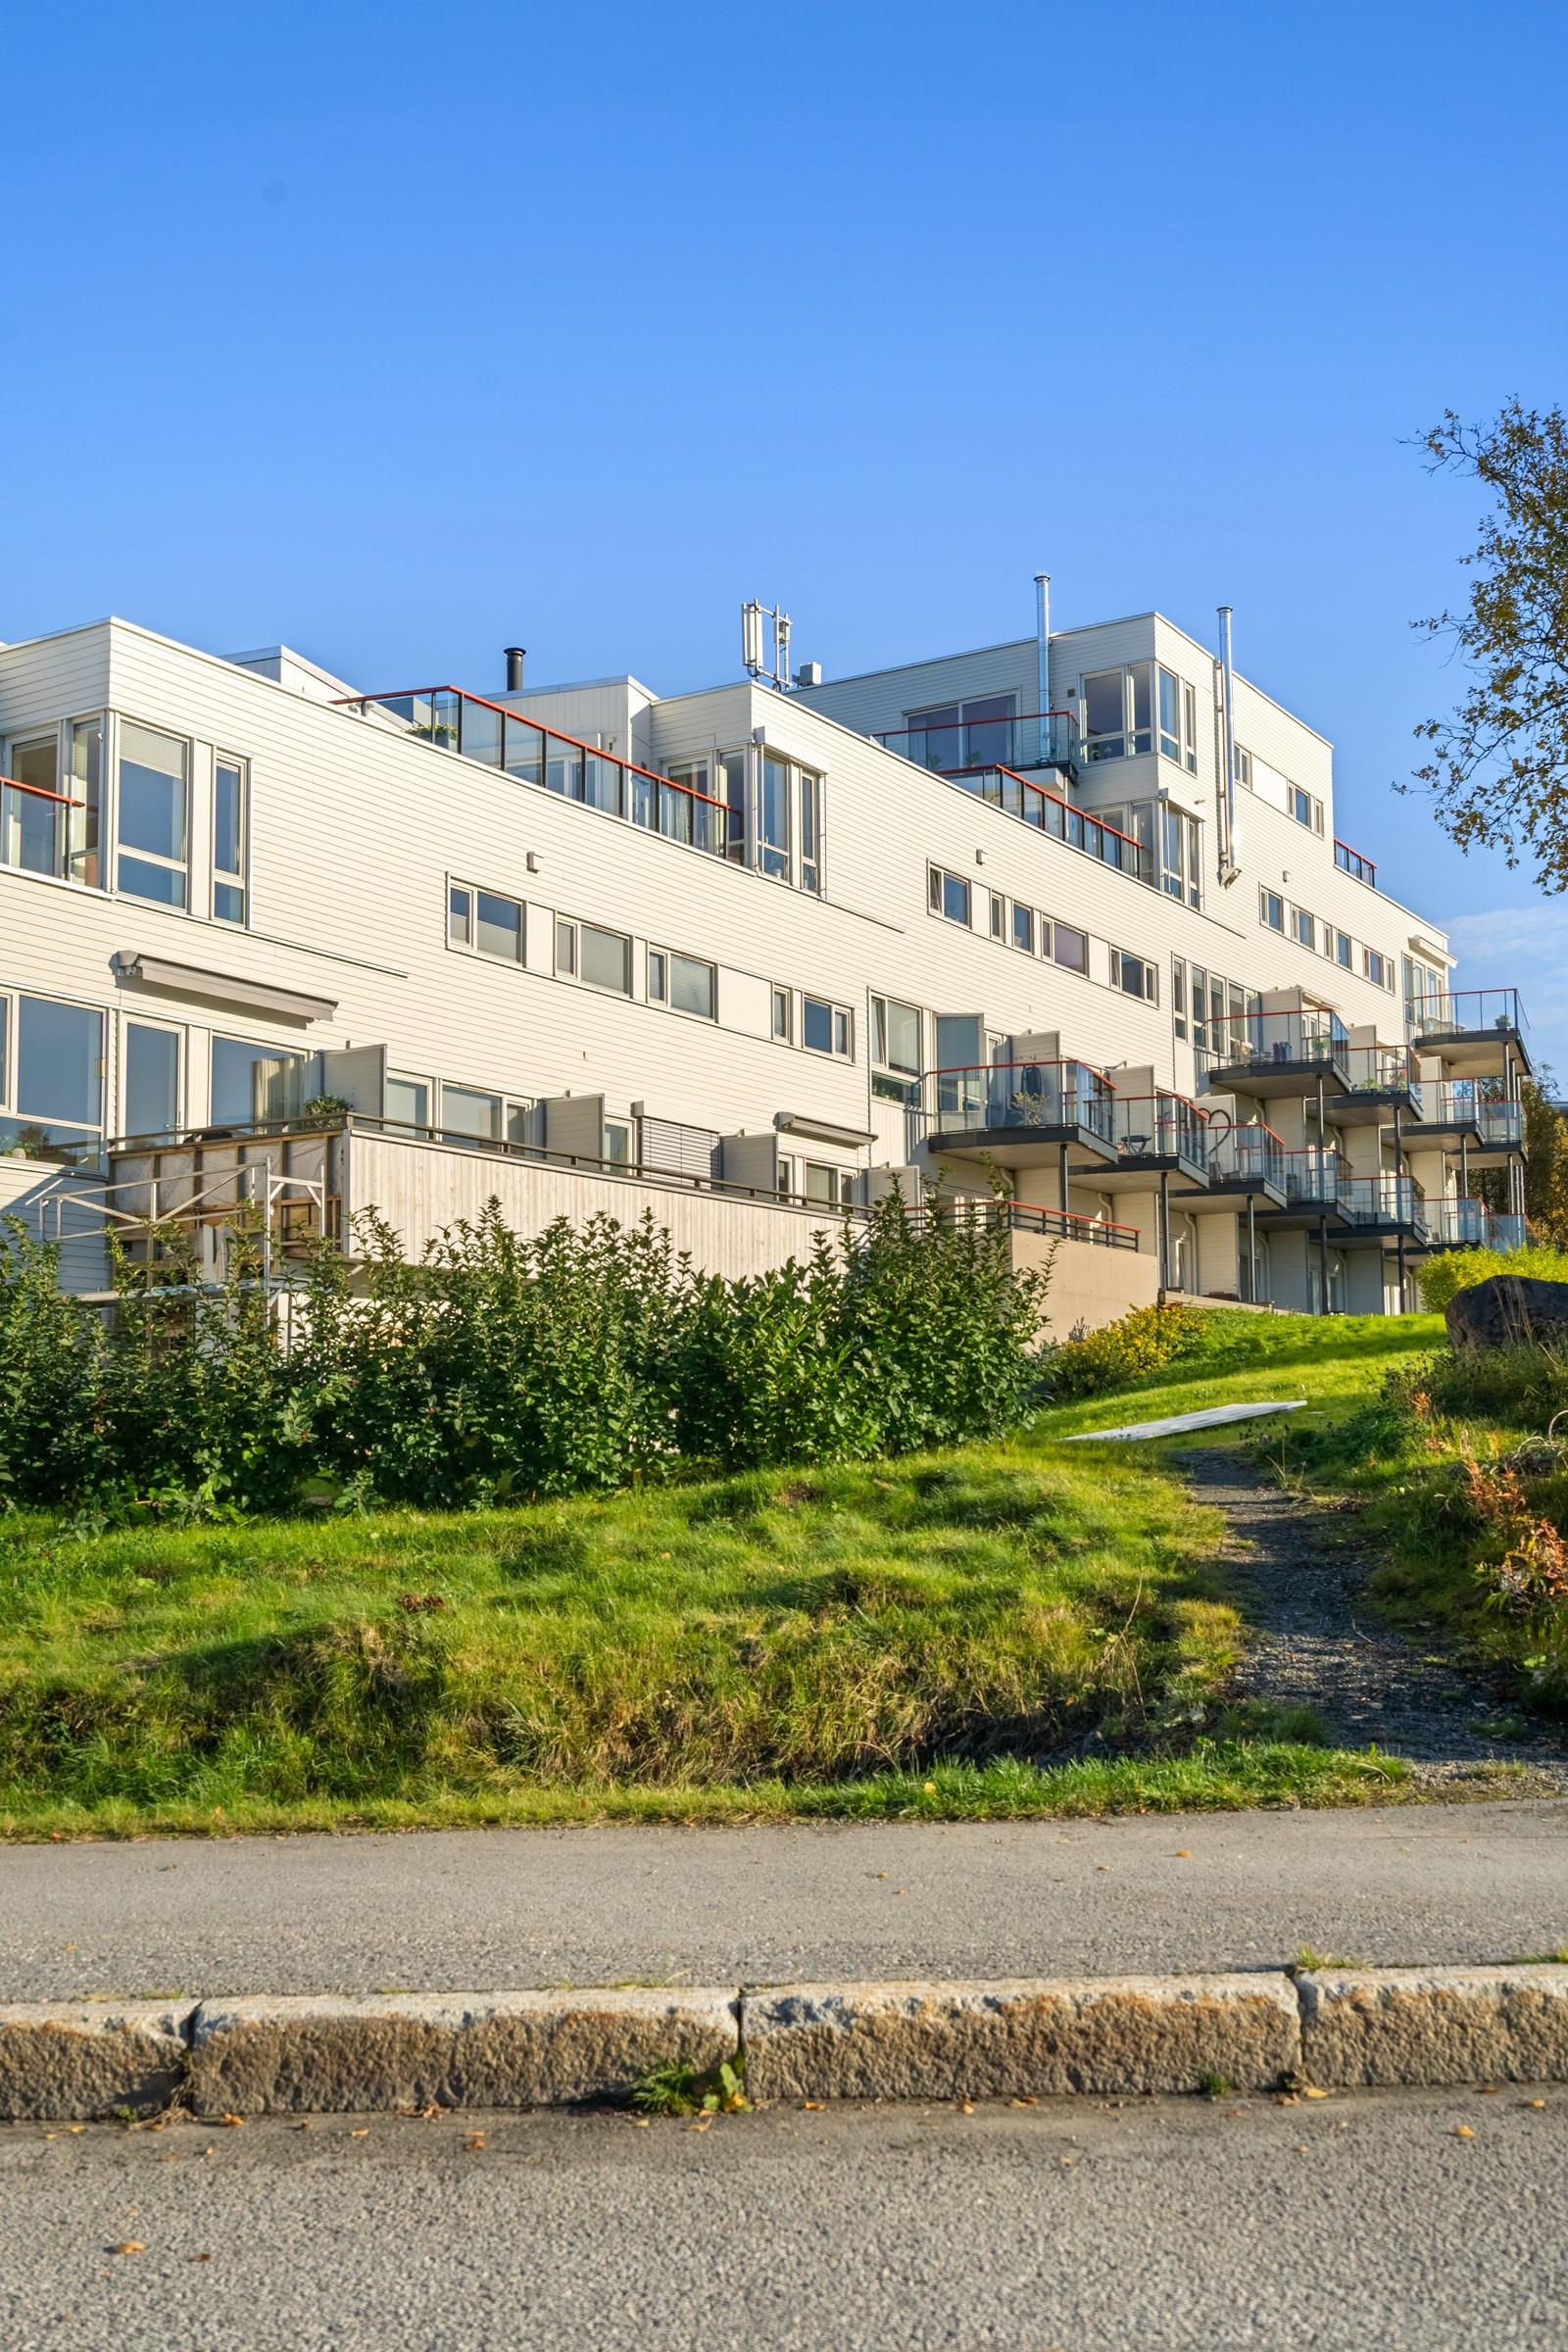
pixel 1362 2223
pixel 470 1911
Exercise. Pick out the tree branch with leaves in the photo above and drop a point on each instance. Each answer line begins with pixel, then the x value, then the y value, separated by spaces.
pixel 1498 769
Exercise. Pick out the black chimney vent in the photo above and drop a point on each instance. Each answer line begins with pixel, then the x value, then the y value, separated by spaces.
pixel 514 655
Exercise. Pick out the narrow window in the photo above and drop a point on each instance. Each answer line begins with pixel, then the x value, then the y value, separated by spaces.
pixel 1170 716
pixel 783 1023
pixel 955 899
pixel 733 765
pixel 460 917
pixel 566 948
pixel 154 816
pixel 1190 715
pixel 1142 734
pixel 658 978
pixel 228 841
pixel 840 1032
pixel 999 916
pixel 810 831
pixel 34 830
pixel 1243 768
pixel 1023 928
pixel 617 1143
pixel 1342 942
pixel 498 929
pixel 86 791
pixel 1178 995
pixel 152 1081
pixel 1106 714
pixel 774 827
pixel 1271 910
pixel 1305 928
pixel 1172 848
pixel 934 888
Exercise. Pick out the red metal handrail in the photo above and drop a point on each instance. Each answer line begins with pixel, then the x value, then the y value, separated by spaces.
pixel 1085 815
pixel 948 726
pixel 1063 1061
pixel 42 793
pixel 594 750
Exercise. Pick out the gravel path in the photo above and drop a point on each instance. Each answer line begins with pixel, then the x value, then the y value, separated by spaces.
pixel 1319 1642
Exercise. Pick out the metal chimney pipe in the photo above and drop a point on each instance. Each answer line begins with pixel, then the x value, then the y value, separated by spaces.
pixel 1225 798
pixel 514 660
pixel 1043 659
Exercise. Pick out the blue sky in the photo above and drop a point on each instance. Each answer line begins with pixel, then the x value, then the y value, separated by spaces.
pixel 402 333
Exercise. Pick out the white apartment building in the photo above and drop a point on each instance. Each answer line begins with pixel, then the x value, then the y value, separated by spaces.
pixel 744 958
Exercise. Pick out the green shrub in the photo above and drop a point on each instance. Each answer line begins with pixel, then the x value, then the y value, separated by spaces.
pixel 1122 1352
pixel 1460 1269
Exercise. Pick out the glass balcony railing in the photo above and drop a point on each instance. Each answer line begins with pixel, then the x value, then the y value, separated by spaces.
pixel 1507 1233
pixel 1460 1102
pixel 1051 1096
pixel 1386 1200
pixel 1159 1126
pixel 1385 1070
pixel 1316 1178
pixel 493 737
pixel 1248 1155
pixel 1457 1224
pixel 1033 739
pixel 1351 861
pixel 1051 814
pixel 1502 1125
pixel 1466 1012
pixel 1312 1038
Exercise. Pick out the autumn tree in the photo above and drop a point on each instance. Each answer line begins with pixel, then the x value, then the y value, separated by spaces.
pixel 1498 766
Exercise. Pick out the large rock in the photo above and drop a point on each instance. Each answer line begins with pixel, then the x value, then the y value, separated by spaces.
pixel 1507 1309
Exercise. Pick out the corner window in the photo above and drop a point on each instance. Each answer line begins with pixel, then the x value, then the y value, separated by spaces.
pixel 825 1028
pixel 154 816
pixel 228 841
pixel 1271 910
pixel 951 896
pixel 1117 712
pixel 683 982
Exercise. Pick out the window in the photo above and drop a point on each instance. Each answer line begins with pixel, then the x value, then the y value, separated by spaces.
pixel 1271 910
pixel 950 897
pixel 154 820
pixel 599 958
pixel 1306 809
pixel 683 982
pixel 151 1080
pixel 1117 713
pixel 566 948
pixel 487 923
pixel 1341 950
pixel 896 1035
pixel 1243 768
pixel 407 1102
pixel 1069 947
pixel 228 841
pixel 254 1082
pixel 1305 928
pixel 617 1143
pixel 733 770
pixel 1023 928
pixel 961 735
pixel 999 916
pixel 774 819
pixel 49 813
pixel 783 1014
pixel 1170 716
pixel 824 1028
pixel 1178 995
pixel 1190 716
pixel 460 917
pixel 1379 970
pixel 810 831
pixel 465 1111
pixel 1133 976
pixel 54 1071
pixel 828 1188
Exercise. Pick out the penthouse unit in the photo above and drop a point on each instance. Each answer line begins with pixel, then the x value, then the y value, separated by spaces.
pixel 1068 916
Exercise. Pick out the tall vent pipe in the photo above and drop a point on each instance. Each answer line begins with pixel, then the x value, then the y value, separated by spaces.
pixel 1225 797
pixel 515 660
pixel 1043 659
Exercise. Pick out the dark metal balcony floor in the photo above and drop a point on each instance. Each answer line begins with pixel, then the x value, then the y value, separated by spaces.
pixel 1022 1147
pixel 1264 1079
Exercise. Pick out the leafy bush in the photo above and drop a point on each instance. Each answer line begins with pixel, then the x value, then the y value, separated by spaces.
pixel 497 1367
pixel 1122 1352
pixel 1460 1269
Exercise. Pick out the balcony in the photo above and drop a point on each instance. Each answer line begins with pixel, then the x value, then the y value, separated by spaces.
pixel 1351 861
pixel 493 737
pixel 1382 1080
pixel 1478 1032
pixel 1049 814
pixel 953 747
pixel 1386 1204
pixel 1246 1165
pixel 1053 1224
pixel 44 832
pixel 1456 1224
pixel 1018 1113
pixel 1265 1053
pixel 1155 1135
pixel 1459 1118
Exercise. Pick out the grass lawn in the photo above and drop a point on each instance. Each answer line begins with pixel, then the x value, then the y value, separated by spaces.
pixel 1014 1630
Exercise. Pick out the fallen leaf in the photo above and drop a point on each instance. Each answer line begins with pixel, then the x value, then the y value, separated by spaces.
pixel 234 2122
pixel 641 2122
pixel 201 2258
pixel 1183 1854
pixel 1535 2102
pixel 1462 2132
pixel 1025 2102
pixel 966 2106
pixel 815 2106
pixel 702 2124
pixel 1309 2090
pixel 364 2133
pixel 1287 2098
pixel 128 2245
pixel 474 2139
pixel 304 2127
pixel 73 2128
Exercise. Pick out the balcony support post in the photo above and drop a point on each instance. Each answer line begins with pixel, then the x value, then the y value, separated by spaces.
pixel 1398 1202
pixel 1164 1229
pixel 1250 1292
pixel 1323 1261
pixel 1062 1176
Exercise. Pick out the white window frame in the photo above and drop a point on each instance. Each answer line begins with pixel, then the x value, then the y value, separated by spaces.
pixel 181 1036
pixel 114 847
pixel 938 878
pixel 240 879
pixel 11 1060
pixel 573 972
pixel 1267 902
pixel 842 1028
pixel 474 892
pixel 660 960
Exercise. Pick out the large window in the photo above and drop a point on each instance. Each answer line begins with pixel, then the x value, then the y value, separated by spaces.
pixel 485 922
pixel 154 816
pixel 959 735
pixel 466 1111
pixel 773 828
pixel 254 1082
pixel 1117 714
pixel 151 1080
pixel 228 840
pixel 684 982
pixel 599 958
pixel 1133 976
pixel 1069 947
pixel 826 1028
pixel 51 1079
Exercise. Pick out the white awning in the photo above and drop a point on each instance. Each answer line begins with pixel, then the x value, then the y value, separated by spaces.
pixel 223 988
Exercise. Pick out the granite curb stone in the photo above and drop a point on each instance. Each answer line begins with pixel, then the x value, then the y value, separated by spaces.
pixel 1427 2026
pixel 1030 2036
pixel 73 2061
